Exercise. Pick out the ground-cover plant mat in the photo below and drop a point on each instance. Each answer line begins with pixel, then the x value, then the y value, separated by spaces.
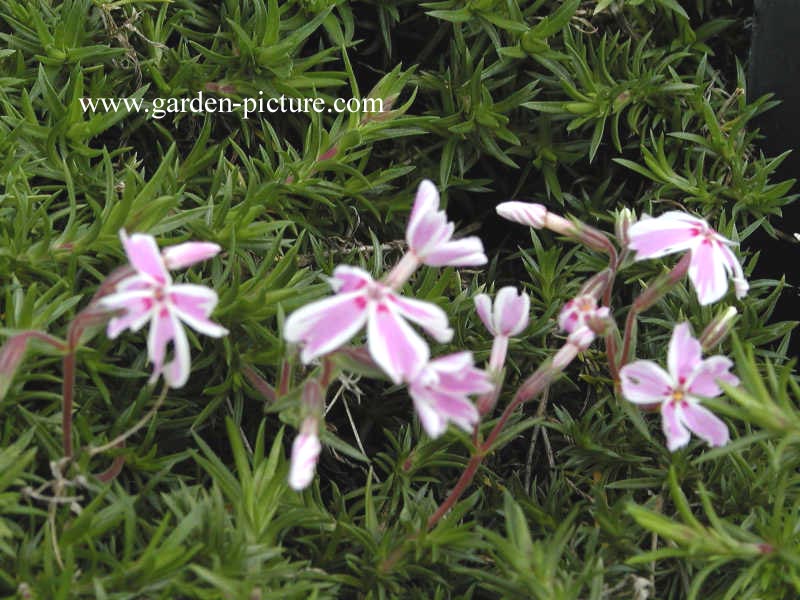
pixel 505 335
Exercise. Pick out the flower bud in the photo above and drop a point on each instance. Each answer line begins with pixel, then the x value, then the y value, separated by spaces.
pixel 625 218
pixel 305 454
pixel 525 213
pixel 719 328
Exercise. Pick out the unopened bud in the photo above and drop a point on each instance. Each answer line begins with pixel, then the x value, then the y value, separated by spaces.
pixel 625 218
pixel 525 213
pixel 305 454
pixel 719 328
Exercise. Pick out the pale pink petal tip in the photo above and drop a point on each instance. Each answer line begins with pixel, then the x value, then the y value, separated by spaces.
pixel 189 253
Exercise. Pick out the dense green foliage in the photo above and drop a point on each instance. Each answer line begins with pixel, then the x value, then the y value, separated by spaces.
pixel 587 107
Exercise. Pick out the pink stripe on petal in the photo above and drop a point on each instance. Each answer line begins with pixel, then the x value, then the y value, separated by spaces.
pixel 184 255
pixel 325 325
pixel 456 409
pixel 144 256
pixel 162 331
pixel 432 422
pixel 349 279
pixel 704 378
pixel 426 200
pixel 511 311
pixel 452 363
pixel 684 353
pixel 195 300
pixel 483 306
pixel 192 304
pixel 465 252
pixel 644 382
pixel 660 241
pixel 677 435
pixel 394 346
pixel 136 316
pixel 707 272
pixel 705 424
pixel 425 314
pixel 430 229
pixel 176 372
pixel 470 381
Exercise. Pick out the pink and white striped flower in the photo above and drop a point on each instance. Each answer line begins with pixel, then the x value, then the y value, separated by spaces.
pixel 582 319
pixel 508 317
pixel 325 325
pixel 679 391
pixel 149 295
pixel 429 234
pixel 440 392
pixel 712 261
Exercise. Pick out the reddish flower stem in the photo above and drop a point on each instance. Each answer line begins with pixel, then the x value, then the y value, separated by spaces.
pixel 652 293
pixel 259 383
pixel 68 389
pixel 527 391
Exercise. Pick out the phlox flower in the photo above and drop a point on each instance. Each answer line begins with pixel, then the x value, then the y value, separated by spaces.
pixel 327 324
pixel 581 318
pixel 149 295
pixel 508 316
pixel 712 261
pixel 440 392
pixel 679 390
pixel 429 234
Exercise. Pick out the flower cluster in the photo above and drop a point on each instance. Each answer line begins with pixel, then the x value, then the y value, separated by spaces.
pixel 439 388
pixel 678 392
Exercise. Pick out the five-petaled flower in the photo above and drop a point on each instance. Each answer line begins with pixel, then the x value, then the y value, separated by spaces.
pixel 440 392
pixel 679 390
pixel 712 261
pixel 325 325
pixel 582 319
pixel 429 234
pixel 149 295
